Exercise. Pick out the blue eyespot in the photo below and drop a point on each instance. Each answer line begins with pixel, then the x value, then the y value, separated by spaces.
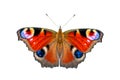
pixel 40 53
pixel 78 54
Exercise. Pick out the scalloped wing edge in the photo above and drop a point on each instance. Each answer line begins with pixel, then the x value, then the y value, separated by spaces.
pixel 94 43
pixel 25 41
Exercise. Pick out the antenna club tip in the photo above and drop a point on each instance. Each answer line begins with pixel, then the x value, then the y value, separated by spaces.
pixel 74 15
pixel 46 14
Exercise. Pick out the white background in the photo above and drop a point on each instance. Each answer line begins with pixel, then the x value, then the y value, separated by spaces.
pixel 17 63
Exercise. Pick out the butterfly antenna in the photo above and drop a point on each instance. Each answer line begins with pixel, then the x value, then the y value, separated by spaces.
pixel 69 20
pixel 50 19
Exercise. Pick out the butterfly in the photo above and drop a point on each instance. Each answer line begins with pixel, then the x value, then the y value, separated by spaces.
pixel 65 49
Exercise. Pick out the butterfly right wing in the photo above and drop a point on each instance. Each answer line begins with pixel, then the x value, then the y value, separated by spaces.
pixel 42 42
pixel 77 43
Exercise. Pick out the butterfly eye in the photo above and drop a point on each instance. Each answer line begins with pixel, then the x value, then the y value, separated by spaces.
pixel 92 34
pixel 40 53
pixel 78 54
pixel 27 33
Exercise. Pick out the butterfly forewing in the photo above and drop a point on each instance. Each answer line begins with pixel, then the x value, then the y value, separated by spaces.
pixel 83 39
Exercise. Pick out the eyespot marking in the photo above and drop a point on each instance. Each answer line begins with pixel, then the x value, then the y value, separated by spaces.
pixel 78 54
pixel 92 34
pixel 27 33
pixel 40 53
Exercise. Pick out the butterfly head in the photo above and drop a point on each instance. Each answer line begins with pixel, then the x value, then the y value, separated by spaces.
pixel 60 30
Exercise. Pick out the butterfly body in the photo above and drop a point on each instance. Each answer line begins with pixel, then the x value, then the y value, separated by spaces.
pixel 52 48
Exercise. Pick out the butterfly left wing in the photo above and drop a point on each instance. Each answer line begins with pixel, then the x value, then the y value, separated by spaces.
pixel 77 43
pixel 42 42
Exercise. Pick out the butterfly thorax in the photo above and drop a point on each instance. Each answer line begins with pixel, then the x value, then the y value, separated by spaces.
pixel 59 37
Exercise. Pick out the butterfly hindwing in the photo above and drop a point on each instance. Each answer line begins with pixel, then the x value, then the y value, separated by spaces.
pixel 71 56
pixel 42 43
pixel 47 56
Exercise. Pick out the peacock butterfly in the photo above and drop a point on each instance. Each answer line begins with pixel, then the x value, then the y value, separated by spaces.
pixel 66 49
